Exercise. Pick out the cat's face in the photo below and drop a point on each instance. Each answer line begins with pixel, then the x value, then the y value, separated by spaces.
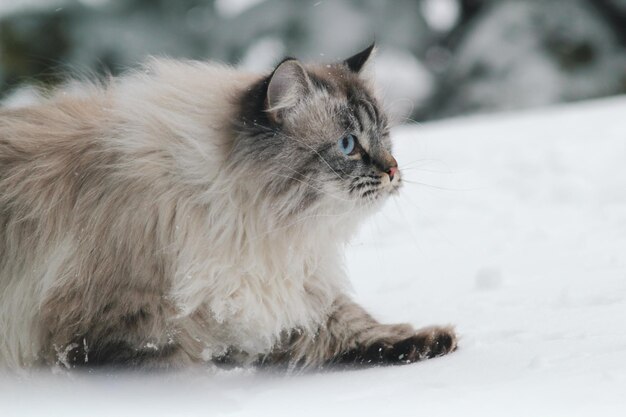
pixel 322 138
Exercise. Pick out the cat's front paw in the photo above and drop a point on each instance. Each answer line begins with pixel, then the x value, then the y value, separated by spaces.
pixel 426 343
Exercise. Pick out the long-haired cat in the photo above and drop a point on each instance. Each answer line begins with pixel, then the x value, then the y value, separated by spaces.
pixel 190 213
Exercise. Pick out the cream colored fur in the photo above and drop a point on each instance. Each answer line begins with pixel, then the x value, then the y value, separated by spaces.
pixel 252 278
pixel 120 204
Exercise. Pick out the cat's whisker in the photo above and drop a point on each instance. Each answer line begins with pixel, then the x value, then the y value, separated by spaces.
pixel 423 184
pixel 424 162
pixel 408 120
pixel 430 171
pixel 302 181
pixel 306 145
pixel 325 192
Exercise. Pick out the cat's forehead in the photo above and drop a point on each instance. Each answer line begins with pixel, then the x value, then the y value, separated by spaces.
pixel 338 80
pixel 350 100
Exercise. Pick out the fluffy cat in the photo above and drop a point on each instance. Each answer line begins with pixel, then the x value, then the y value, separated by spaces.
pixel 190 213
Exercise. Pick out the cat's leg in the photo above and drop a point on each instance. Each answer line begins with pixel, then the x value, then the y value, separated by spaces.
pixel 351 336
pixel 131 331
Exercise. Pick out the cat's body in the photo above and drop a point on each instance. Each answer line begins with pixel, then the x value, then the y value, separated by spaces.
pixel 194 213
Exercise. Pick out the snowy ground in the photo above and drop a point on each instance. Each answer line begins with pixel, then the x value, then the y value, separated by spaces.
pixel 519 239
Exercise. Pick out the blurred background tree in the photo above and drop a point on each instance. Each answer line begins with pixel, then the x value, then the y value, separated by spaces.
pixel 437 58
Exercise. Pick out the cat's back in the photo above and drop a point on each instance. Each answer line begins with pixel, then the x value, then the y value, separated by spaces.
pixel 49 126
pixel 45 147
pixel 158 93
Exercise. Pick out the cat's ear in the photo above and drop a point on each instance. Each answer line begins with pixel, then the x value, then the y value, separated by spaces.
pixel 357 62
pixel 288 84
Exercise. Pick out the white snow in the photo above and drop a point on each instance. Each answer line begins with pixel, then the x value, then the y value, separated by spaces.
pixel 519 239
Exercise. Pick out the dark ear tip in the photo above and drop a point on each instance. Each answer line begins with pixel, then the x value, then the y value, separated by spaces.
pixel 356 62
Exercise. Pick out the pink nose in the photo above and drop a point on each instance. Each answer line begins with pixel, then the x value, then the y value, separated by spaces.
pixel 392 172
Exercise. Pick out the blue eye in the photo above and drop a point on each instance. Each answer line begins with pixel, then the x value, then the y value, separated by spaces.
pixel 347 144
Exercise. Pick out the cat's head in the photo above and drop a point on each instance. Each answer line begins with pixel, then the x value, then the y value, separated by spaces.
pixel 317 136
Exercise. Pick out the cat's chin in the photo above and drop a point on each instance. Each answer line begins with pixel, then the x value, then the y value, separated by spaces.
pixel 383 194
pixel 376 201
pixel 373 205
pixel 395 189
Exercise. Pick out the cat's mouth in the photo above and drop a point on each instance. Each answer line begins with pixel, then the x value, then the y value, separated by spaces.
pixel 395 183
